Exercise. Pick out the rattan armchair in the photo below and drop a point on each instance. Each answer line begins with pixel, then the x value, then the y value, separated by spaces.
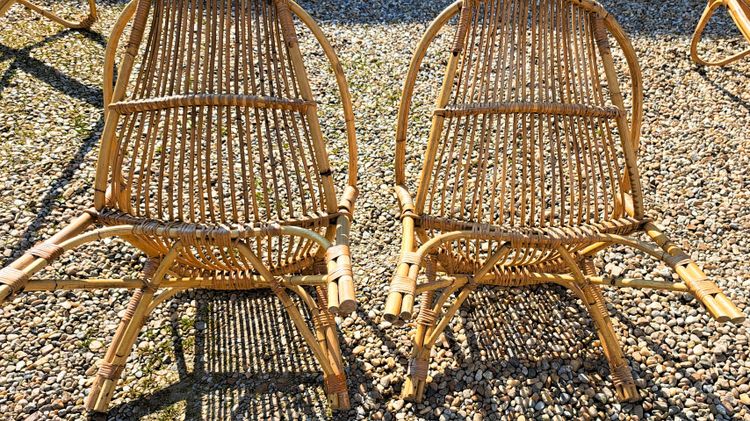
pixel 529 172
pixel 213 164
pixel 739 10
pixel 84 23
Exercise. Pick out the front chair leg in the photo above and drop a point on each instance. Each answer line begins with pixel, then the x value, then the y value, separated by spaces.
pixel 127 332
pixel 117 354
pixel 325 328
pixel 429 328
pixel 622 377
pixel 592 298
pixel 323 345
pixel 416 376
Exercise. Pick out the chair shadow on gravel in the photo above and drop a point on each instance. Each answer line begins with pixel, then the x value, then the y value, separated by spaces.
pixel 249 362
pixel 499 326
pixel 22 60
pixel 721 88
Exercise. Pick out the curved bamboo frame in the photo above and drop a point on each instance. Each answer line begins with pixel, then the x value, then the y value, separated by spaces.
pixel 323 281
pixel 84 23
pixel 739 11
pixel 564 253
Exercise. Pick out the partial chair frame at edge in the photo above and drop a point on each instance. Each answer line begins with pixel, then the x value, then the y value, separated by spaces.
pixel 84 23
pixel 740 14
pixel 582 280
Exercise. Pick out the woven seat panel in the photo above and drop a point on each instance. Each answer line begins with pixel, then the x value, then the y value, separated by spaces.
pixel 211 247
pixel 531 249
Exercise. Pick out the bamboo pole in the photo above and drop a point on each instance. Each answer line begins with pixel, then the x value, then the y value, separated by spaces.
pixel 347 299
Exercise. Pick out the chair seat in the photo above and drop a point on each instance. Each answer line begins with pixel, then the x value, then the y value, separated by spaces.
pixel 530 249
pixel 565 234
pixel 209 253
pixel 208 232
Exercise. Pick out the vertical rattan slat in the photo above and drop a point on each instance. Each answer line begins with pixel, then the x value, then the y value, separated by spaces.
pixel 213 164
pixel 530 169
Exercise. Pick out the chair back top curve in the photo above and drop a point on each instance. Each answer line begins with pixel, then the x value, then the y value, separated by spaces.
pixel 530 126
pixel 212 119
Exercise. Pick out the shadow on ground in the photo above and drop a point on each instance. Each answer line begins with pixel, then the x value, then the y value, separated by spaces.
pixel 248 362
pixel 22 60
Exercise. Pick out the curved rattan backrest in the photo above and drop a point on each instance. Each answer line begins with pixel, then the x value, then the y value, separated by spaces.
pixel 530 128
pixel 216 123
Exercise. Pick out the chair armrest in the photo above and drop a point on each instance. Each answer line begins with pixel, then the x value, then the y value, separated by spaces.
pixel 405 201
pixel 346 203
pixel 400 302
pixel 341 294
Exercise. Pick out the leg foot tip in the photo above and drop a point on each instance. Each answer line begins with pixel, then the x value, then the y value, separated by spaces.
pixel 627 393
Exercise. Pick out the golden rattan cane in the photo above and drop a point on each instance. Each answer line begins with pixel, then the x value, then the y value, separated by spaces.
pixel 213 163
pixel 84 23
pixel 739 11
pixel 529 171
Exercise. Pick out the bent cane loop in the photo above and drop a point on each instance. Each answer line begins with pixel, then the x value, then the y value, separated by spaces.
pixel 740 14
pixel 16 276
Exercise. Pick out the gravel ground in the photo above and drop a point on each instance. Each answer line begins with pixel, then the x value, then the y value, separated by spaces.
pixel 209 355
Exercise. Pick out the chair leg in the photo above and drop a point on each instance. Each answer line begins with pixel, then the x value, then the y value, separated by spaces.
pixel 118 351
pixel 324 343
pixel 135 316
pixel 4 6
pixel 429 329
pixel 416 379
pixel 622 377
pixel 593 299
pixel 325 327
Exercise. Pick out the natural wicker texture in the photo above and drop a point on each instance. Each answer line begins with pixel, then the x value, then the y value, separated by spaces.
pixel 213 164
pixel 530 170
pixel 84 23
pixel 739 10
